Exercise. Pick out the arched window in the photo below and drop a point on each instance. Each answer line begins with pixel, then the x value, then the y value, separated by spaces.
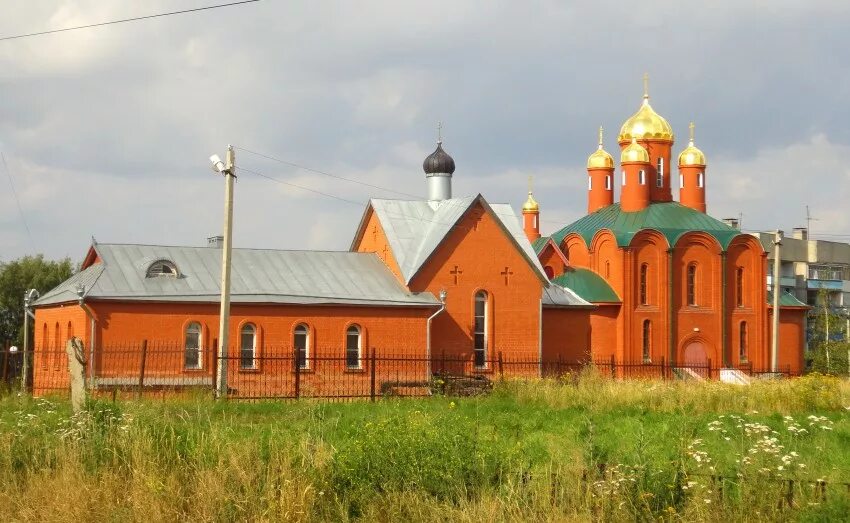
pixel 659 177
pixel 624 177
pixel 607 269
pixel 644 269
pixel 589 183
pixel 642 177
pixel 57 337
pixel 742 342
pixel 248 347
pixel 45 346
pixel 301 342
pixel 550 272
pixel 608 182
pixel 353 347
pixel 739 286
pixel 681 182
pixel 646 344
pixel 162 268
pixel 700 180
pixel 70 330
pixel 480 329
pixel 192 346
pixel 692 284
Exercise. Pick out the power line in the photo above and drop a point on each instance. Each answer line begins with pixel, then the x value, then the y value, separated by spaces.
pixel 324 173
pixel 17 201
pixel 134 19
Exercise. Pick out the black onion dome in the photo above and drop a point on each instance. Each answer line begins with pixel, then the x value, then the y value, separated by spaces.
pixel 439 162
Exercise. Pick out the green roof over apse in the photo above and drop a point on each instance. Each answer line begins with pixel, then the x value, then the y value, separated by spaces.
pixel 671 219
pixel 588 285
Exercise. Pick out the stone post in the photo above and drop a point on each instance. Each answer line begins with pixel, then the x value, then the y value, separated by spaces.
pixel 77 369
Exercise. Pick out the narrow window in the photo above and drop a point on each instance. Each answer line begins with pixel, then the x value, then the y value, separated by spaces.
pixel 57 355
pixel 353 347
pixel 70 330
pixel 608 182
pixel 659 178
pixel 647 340
pixel 692 284
pixel 480 329
pixel 193 346
pixel 739 285
pixel 301 342
pixel 248 347
pixel 607 269
pixel 644 269
pixel 681 182
pixel 624 177
pixel 589 183
pixel 642 177
pixel 45 347
pixel 700 180
pixel 742 342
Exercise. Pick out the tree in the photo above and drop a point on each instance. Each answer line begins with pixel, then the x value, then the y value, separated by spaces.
pixel 827 338
pixel 16 277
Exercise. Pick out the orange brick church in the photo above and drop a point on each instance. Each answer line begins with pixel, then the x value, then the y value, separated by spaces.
pixel 642 280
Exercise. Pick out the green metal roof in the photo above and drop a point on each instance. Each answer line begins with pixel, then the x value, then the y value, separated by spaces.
pixel 671 219
pixel 540 243
pixel 786 299
pixel 588 285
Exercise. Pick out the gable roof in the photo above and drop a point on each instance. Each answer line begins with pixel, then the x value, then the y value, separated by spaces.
pixel 257 276
pixel 540 245
pixel 671 219
pixel 588 285
pixel 416 228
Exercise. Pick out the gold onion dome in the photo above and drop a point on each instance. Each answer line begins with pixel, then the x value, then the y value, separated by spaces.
pixel 634 152
pixel 600 159
pixel 691 155
pixel 646 124
pixel 530 204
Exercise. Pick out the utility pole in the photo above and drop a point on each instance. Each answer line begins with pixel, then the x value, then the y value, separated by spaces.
pixel 29 297
pixel 228 169
pixel 774 345
pixel 826 328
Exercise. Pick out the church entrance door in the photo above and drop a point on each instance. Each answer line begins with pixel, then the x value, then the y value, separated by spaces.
pixel 695 354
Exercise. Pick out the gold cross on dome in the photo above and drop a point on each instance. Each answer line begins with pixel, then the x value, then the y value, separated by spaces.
pixel 646 85
pixel 600 136
pixel 691 127
pixel 530 184
pixel 439 132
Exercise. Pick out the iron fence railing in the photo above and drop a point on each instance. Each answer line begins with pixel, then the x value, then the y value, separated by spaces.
pixel 147 368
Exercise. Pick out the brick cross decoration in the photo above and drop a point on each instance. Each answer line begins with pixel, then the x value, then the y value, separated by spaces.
pixel 456 272
pixel 384 251
pixel 507 273
pixel 374 233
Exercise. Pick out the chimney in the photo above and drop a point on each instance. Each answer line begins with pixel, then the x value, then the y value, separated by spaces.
pixel 216 242
pixel 800 233
pixel 732 222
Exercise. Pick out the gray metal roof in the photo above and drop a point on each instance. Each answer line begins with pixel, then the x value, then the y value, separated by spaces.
pixel 557 296
pixel 415 228
pixel 257 276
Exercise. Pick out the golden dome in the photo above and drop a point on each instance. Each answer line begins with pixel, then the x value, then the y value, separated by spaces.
pixel 646 124
pixel 691 155
pixel 634 152
pixel 530 204
pixel 600 159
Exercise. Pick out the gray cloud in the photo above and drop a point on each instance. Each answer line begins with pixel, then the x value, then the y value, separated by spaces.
pixel 107 130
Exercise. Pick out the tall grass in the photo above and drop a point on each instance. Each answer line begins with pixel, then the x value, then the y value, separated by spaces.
pixel 585 449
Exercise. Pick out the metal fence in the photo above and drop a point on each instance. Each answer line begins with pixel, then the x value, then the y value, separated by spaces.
pixel 147 369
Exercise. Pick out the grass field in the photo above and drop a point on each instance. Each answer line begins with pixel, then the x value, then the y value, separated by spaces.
pixel 591 449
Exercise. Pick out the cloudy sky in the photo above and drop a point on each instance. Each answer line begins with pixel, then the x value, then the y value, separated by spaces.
pixel 106 132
